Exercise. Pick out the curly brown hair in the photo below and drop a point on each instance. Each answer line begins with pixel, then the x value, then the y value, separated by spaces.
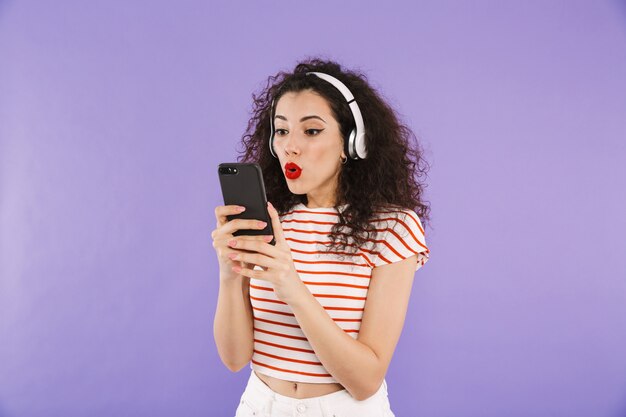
pixel 391 177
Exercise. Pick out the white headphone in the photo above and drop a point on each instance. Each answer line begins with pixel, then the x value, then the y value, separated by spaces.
pixel 355 144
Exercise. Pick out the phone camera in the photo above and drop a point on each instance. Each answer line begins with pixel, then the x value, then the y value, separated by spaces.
pixel 228 170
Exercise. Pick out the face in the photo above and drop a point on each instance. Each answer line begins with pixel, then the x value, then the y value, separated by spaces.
pixel 309 145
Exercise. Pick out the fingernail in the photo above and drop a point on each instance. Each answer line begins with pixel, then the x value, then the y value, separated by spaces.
pixel 240 209
pixel 232 255
pixel 268 238
pixel 232 243
pixel 237 269
pixel 262 224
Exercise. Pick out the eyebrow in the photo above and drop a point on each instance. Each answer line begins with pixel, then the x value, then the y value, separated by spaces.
pixel 278 116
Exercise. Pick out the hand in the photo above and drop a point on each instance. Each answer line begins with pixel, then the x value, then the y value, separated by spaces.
pixel 224 232
pixel 275 260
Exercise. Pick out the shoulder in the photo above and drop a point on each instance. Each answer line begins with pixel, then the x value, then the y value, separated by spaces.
pixel 398 219
pixel 401 235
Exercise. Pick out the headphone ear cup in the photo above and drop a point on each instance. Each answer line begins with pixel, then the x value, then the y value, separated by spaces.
pixel 272 146
pixel 349 145
pixel 271 141
pixel 359 146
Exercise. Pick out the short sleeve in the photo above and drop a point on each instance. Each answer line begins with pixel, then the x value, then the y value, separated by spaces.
pixel 401 236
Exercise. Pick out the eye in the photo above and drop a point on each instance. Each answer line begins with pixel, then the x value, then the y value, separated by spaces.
pixel 281 132
pixel 313 132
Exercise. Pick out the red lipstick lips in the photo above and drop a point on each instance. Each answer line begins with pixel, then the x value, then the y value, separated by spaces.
pixel 292 171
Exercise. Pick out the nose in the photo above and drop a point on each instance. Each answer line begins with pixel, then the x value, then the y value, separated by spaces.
pixel 291 144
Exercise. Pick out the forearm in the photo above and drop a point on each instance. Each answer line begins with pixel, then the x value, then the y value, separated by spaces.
pixel 352 363
pixel 233 324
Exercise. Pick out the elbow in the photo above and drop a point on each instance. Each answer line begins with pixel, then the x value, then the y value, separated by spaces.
pixel 369 384
pixel 236 363
pixel 365 392
pixel 235 360
pixel 235 367
pixel 363 395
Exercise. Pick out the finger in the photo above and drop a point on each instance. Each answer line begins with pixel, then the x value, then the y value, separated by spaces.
pixel 276 226
pixel 259 238
pixel 243 224
pixel 222 211
pixel 223 249
pixel 221 238
pixel 252 273
pixel 254 246
pixel 253 258
pixel 240 247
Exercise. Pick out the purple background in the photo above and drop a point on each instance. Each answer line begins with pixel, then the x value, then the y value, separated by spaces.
pixel 114 116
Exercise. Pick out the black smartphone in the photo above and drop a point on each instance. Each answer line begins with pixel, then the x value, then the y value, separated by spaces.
pixel 242 185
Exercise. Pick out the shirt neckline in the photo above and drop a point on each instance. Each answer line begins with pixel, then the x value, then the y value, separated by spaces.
pixel 302 206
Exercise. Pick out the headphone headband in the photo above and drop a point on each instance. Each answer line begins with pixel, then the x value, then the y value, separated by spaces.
pixel 355 143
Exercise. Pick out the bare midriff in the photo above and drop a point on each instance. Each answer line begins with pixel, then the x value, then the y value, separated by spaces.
pixel 298 389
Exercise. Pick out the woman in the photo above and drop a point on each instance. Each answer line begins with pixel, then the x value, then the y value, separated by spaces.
pixel 318 315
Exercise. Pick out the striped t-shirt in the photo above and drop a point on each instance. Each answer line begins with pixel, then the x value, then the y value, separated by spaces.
pixel 338 280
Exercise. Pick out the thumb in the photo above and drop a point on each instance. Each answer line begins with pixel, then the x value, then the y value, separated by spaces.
pixel 276 226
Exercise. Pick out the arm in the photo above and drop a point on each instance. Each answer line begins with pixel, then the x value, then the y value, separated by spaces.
pixel 233 324
pixel 360 365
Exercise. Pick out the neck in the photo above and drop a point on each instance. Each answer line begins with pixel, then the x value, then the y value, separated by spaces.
pixel 313 202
